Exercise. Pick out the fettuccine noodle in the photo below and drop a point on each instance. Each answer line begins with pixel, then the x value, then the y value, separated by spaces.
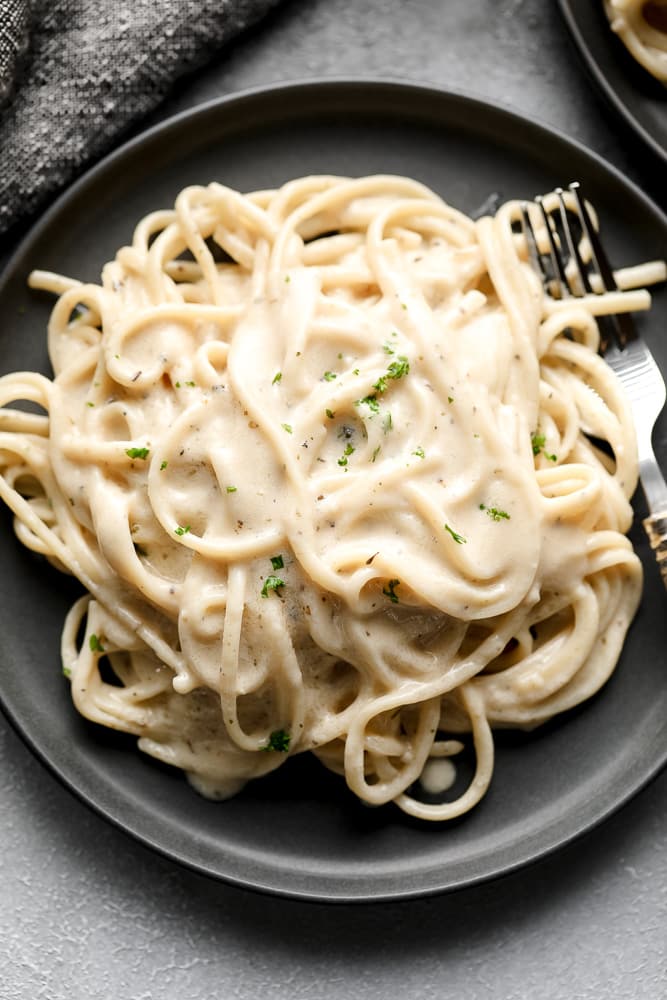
pixel 642 27
pixel 327 462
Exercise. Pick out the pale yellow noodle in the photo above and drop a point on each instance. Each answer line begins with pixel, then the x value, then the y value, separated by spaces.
pixel 330 488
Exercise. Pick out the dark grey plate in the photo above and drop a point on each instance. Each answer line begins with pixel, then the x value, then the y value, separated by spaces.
pixel 636 95
pixel 299 832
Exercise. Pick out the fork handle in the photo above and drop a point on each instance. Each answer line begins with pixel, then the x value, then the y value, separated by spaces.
pixel 656 528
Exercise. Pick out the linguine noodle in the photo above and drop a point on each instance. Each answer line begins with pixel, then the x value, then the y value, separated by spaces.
pixel 337 476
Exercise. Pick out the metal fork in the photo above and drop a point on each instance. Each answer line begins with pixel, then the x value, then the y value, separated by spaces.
pixel 565 274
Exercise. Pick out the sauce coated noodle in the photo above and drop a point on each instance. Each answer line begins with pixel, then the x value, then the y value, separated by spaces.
pixel 642 27
pixel 328 467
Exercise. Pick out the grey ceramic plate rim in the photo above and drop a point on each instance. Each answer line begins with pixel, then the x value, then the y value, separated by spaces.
pixel 571 13
pixel 370 885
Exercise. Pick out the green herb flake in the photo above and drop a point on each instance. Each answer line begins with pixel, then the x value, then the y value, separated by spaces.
pixel 388 349
pixel 494 513
pixel 355 371
pixel 276 378
pixel 538 441
pixel 272 583
pixel 450 399
pixel 277 562
pixel 419 452
pixel 348 451
pixel 287 279
pixel 279 741
pixel 95 644
pixel 88 403
pixel 67 672
pixel 390 591
pixel 137 452
pixel 399 368
pixel 163 465
pixel 375 453
pixel 330 414
pixel 387 423
pixel 177 384
pixel 287 427
pixel 329 376
pixel 231 489
pixel 191 384
pixel 371 402
pixel 182 529
pixel 459 539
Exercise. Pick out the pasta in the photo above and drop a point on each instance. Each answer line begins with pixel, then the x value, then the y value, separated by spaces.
pixel 642 27
pixel 331 469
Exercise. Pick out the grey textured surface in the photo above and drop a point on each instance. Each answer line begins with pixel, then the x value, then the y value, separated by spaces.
pixel 90 69
pixel 87 913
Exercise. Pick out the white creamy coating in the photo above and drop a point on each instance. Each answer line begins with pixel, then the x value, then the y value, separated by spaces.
pixel 334 495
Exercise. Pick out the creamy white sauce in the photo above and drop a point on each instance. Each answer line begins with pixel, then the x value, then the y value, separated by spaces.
pixel 321 493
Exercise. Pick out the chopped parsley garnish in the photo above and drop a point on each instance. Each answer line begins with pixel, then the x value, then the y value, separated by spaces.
pixel 163 466
pixel 459 539
pixel 390 591
pixel 450 399
pixel 494 513
pixel 137 452
pixel 388 349
pixel 279 741
pixel 348 451
pixel 277 377
pixel 231 489
pixel 329 376
pixel 387 423
pixel 330 414
pixel 419 452
pixel 67 671
pixel 191 384
pixel 95 644
pixel 182 530
pixel 538 441
pixel 287 279
pixel 397 369
pixel 88 403
pixel 371 402
pixel 287 427
pixel 375 453
pixel 272 583
pixel 277 562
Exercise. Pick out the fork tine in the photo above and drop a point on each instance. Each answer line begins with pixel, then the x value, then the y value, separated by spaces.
pixel 574 256
pixel 531 242
pixel 623 324
pixel 559 276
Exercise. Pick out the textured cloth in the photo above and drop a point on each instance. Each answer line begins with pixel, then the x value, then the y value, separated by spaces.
pixel 75 74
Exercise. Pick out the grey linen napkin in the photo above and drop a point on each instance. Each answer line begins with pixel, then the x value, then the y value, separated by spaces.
pixel 76 74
